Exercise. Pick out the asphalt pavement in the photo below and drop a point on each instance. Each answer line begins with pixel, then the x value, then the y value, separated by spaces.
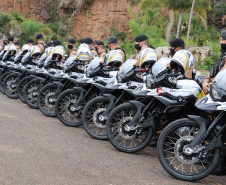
pixel 35 149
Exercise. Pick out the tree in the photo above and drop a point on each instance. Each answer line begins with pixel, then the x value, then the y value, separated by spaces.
pixel 189 23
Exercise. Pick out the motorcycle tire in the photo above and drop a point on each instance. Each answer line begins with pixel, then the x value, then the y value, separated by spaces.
pixel 45 102
pixel 92 121
pixel 10 86
pixel 20 87
pixel 122 140
pixel 179 164
pixel 64 111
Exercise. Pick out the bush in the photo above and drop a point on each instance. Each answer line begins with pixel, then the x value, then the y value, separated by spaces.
pixel 4 19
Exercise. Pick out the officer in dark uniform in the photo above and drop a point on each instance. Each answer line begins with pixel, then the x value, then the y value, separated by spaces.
pixel 30 42
pixel 220 65
pixel 40 43
pixel 99 46
pixel 112 44
pixel 71 46
pixel 17 44
pixel 89 42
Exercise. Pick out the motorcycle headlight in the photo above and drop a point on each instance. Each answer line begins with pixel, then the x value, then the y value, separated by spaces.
pixel 215 94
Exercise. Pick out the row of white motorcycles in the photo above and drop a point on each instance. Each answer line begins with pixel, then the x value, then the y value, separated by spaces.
pixel 128 105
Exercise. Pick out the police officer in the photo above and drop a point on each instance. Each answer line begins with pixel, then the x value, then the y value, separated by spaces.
pixel 99 46
pixel 220 65
pixel 89 42
pixel 178 46
pixel 112 44
pixel 146 54
pixel 81 41
pixel 56 43
pixel 30 42
pixel 1 44
pixel 17 44
pixel 71 46
pixel 40 42
pixel 10 40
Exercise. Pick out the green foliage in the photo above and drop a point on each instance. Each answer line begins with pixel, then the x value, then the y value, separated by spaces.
pixel 120 35
pixel 219 10
pixel 4 19
pixel 133 2
pixel 30 27
pixel 17 16
pixel 87 4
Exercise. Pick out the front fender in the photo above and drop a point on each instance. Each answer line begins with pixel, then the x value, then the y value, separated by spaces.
pixel 111 105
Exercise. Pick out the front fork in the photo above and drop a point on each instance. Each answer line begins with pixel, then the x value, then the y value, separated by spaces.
pixel 204 131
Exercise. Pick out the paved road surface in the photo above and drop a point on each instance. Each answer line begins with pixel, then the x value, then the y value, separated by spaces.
pixel 35 149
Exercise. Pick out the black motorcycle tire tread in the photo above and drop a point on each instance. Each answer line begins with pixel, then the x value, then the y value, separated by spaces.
pixel 2 79
pixel 18 87
pixel 39 105
pixel 84 112
pixel 69 91
pixel 5 90
pixel 120 148
pixel 25 97
pixel 177 123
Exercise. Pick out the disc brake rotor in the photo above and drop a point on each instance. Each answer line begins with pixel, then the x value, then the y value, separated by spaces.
pixel 98 119
pixel 49 101
pixel 181 156
pixel 121 130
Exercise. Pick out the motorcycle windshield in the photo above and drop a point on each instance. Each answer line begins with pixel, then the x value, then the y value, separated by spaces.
pixel 160 66
pixel 220 80
pixel 94 64
pixel 70 60
pixel 18 57
pixel 127 66
pixel 26 58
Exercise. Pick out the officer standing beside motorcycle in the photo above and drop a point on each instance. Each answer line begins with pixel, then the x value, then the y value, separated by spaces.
pixel 10 40
pixel 141 45
pixel 219 66
pixel 30 42
pixel 112 44
pixel 89 42
pixel 71 46
pixel 178 48
pixel 99 46
pixel 17 44
pixel 40 43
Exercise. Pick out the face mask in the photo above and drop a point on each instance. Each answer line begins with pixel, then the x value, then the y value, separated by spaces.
pixel 137 47
pixel 172 51
pixel 223 47
pixel 70 46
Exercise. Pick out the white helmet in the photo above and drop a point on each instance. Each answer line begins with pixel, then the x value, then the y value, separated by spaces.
pixel 49 50
pixel 181 60
pixel 26 48
pixel 83 52
pixel 35 51
pixel 114 57
pixel 12 49
pixel 147 57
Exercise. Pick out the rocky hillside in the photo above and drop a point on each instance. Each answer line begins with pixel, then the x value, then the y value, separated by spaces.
pixel 95 19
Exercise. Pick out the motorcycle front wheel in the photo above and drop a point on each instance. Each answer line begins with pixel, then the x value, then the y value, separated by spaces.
pixel 172 156
pixel 65 111
pixel 46 102
pixel 10 85
pixel 31 93
pixel 120 137
pixel 20 87
pixel 93 121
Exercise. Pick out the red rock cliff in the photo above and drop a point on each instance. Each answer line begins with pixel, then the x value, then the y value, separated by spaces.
pixel 95 22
